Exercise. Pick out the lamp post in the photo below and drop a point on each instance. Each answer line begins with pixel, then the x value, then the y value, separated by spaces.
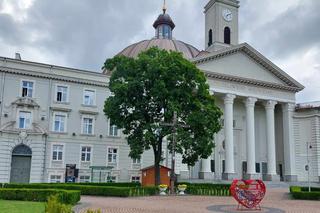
pixel 174 126
pixel 309 146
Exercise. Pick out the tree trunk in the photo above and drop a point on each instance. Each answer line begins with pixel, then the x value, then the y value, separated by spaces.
pixel 157 159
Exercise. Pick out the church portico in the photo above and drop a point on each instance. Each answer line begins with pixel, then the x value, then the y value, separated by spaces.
pixel 246 147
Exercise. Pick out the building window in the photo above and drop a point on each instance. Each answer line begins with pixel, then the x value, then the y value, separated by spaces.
pixel 136 161
pixel 258 168
pixel 113 130
pixel 84 179
pixel 111 179
pixel 112 155
pixel 213 166
pixel 227 35
pixel 86 154
pixel 89 97
pixel 24 120
pixel 62 94
pixel 135 179
pixel 57 152
pixel 59 123
pixel 55 178
pixel 210 38
pixel 27 89
pixel 87 126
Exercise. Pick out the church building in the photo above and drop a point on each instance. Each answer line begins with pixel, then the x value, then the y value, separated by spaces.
pixel 53 128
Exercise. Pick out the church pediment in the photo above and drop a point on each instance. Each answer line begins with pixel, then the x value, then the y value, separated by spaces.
pixel 244 64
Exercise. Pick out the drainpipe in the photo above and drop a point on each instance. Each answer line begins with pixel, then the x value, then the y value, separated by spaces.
pixel 2 94
pixel 45 157
pixel 48 129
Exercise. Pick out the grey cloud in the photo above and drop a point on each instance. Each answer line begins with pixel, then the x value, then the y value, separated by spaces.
pixel 297 29
pixel 84 33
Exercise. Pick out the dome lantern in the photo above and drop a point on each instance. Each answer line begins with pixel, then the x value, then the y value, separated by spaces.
pixel 164 25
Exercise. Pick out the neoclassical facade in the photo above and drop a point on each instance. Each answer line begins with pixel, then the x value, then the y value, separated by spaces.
pixel 51 117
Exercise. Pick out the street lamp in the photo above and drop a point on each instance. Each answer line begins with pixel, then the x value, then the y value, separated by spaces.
pixel 174 126
pixel 309 146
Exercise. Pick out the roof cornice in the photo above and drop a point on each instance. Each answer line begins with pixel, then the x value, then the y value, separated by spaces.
pixel 257 57
pixel 248 81
pixel 52 76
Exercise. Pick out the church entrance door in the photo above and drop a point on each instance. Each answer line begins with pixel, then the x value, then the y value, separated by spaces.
pixel 21 164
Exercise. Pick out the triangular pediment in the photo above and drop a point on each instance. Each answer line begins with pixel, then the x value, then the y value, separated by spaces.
pixel 246 64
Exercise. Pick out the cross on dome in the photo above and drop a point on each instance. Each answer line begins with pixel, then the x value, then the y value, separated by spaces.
pixel 164 8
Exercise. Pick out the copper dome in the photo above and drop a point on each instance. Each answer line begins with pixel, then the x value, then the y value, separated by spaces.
pixel 187 50
pixel 164 19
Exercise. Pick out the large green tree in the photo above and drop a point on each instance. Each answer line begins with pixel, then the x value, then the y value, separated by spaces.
pixel 146 93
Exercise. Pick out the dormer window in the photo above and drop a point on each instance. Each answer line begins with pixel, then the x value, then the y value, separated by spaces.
pixel 27 89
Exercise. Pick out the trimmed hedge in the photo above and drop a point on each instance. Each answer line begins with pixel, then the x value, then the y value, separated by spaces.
pixel 208 189
pixel 40 195
pixel 302 193
pixel 124 184
pixel 105 191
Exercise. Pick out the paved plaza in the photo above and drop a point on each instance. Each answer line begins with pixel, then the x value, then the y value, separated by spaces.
pixel 276 200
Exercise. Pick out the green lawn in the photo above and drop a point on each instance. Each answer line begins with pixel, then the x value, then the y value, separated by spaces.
pixel 21 207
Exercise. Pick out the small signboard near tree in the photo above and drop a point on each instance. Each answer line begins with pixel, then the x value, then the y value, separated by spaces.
pixel 147 91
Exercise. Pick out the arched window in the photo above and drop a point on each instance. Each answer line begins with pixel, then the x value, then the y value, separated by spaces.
pixel 227 35
pixel 22 150
pixel 210 38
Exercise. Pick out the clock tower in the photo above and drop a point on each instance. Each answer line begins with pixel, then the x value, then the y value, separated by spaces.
pixel 221 22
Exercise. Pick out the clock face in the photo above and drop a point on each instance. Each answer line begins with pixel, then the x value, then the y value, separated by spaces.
pixel 227 15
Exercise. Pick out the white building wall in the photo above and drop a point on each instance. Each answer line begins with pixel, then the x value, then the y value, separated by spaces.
pixel 306 130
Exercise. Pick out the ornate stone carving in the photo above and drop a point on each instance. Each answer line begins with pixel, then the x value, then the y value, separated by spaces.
pixel 229 98
pixel 250 101
pixel 270 104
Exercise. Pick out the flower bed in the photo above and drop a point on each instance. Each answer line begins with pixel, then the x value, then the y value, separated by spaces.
pixel 302 193
pixel 207 189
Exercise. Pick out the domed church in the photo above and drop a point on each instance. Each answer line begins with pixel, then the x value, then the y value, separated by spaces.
pixel 53 128
pixel 163 39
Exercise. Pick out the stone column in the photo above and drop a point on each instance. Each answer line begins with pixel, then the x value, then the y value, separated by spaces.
pixel 288 143
pixel 271 145
pixel 184 172
pixel 228 132
pixel 251 148
pixel 205 172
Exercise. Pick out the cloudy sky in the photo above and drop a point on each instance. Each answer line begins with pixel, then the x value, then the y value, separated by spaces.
pixel 83 33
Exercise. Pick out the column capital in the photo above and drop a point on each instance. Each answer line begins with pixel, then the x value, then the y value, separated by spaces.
pixel 250 101
pixel 288 107
pixel 229 98
pixel 270 104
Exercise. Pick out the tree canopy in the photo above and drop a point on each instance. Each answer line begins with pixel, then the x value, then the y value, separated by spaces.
pixel 147 90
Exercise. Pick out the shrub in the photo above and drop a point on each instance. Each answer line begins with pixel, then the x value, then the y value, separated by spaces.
pixel 93 211
pixel 41 195
pixel 125 184
pixel 302 193
pixel 207 189
pixel 54 206
pixel 93 190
